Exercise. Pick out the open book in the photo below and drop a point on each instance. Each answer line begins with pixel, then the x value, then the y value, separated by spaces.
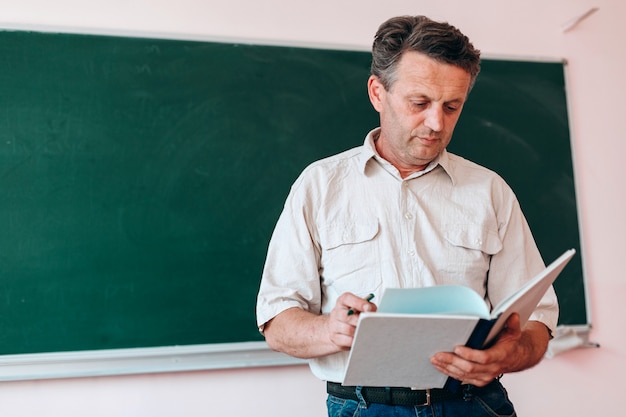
pixel 393 346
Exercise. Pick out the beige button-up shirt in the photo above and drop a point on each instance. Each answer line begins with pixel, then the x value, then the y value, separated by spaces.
pixel 351 223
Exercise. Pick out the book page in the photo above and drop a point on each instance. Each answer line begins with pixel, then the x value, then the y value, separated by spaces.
pixel 443 299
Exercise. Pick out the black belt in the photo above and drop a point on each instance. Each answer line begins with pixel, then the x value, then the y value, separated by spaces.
pixel 393 395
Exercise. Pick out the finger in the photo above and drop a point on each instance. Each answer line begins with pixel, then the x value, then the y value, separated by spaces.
pixel 464 371
pixel 341 330
pixel 472 355
pixel 353 305
pixel 341 340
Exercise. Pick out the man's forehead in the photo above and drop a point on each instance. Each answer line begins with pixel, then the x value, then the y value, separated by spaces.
pixel 421 75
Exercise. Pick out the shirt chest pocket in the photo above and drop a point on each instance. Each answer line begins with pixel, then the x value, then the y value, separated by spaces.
pixel 473 237
pixel 350 258
pixel 470 247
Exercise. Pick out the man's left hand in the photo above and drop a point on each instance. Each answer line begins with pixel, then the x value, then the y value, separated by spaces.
pixel 514 350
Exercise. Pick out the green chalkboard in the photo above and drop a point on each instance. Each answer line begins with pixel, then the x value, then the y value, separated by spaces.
pixel 140 179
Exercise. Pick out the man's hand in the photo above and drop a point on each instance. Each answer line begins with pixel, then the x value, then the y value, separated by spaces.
pixel 307 335
pixel 344 318
pixel 515 350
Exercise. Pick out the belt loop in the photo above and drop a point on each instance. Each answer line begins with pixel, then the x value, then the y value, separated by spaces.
pixel 359 395
pixel 388 395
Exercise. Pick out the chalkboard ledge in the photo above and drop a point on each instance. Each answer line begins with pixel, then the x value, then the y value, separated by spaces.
pixel 570 337
pixel 192 358
pixel 140 361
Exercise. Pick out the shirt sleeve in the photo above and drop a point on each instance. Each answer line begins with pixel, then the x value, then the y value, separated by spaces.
pixel 517 262
pixel 291 272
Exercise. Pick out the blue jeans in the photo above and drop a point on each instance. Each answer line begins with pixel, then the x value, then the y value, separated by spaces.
pixel 489 401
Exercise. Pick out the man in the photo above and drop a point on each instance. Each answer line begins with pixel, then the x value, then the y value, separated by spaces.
pixel 400 211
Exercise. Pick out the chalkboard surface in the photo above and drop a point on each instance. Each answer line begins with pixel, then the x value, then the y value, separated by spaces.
pixel 140 179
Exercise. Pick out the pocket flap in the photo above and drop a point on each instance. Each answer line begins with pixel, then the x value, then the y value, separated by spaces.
pixel 473 236
pixel 348 233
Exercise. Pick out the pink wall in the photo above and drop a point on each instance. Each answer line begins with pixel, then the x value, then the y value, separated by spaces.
pixel 566 385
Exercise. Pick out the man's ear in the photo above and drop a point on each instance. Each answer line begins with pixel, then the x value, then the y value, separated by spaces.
pixel 376 92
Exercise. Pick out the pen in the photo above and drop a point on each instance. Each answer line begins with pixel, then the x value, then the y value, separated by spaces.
pixel 368 298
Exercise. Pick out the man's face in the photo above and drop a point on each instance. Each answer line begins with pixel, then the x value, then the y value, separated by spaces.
pixel 419 112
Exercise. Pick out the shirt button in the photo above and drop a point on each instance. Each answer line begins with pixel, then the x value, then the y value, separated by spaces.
pixel 408 216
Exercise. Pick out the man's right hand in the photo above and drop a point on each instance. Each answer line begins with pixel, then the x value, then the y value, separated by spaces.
pixel 306 335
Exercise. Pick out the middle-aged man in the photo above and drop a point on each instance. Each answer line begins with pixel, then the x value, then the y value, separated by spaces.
pixel 400 211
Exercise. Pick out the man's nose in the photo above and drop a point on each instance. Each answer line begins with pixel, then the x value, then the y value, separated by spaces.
pixel 434 119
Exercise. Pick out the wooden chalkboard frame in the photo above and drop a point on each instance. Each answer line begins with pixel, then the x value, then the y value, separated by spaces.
pixel 184 357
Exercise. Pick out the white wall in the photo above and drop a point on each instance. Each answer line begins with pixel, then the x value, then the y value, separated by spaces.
pixel 576 383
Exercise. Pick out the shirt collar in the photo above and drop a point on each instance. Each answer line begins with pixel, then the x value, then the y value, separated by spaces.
pixel 369 153
pixel 369 149
pixel 445 162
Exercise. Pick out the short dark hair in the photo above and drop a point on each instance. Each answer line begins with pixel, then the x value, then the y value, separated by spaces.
pixel 437 40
